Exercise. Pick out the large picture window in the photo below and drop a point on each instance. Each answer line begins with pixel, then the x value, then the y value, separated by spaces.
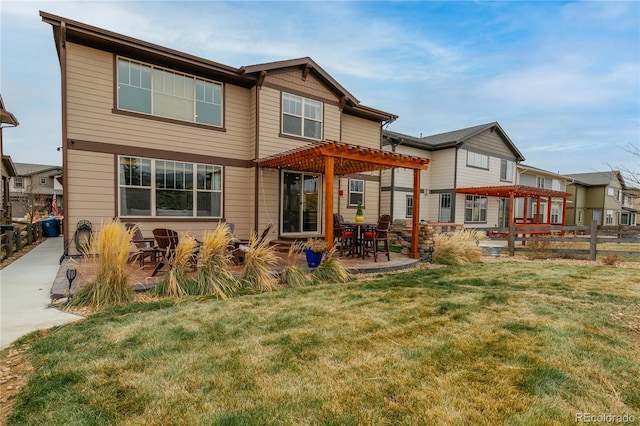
pixel 169 188
pixel 475 208
pixel 301 116
pixel 165 93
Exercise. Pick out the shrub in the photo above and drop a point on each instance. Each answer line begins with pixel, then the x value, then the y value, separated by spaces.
pixel 539 247
pixel 458 248
pixel 331 269
pixel 214 278
pixel 109 253
pixel 611 259
pixel 176 282
pixel 259 261
pixel 293 275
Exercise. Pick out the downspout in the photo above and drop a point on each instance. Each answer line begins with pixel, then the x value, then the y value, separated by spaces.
pixel 455 186
pixel 65 144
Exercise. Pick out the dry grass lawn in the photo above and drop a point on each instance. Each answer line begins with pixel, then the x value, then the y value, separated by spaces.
pixel 494 343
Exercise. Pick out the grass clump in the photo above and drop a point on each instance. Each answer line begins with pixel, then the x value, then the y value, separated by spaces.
pixel 458 248
pixel 260 259
pixel 176 282
pixel 293 275
pixel 539 247
pixel 214 278
pixel 611 259
pixel 109 253
pixel 331 269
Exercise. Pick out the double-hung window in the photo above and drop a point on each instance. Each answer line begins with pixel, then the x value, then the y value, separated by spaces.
pixel 506 170
pixel 356 192
pixel 161 92
pixel 169 188
pixel 475 208
pixel 18 182
pixel 409 206
pixel 475 159
pixel 301 116
pixel 43 180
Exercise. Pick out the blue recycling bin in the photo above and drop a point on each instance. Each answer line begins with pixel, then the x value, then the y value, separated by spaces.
pixel 50 227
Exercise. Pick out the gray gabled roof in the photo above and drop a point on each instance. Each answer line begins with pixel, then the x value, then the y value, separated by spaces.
pixel 451 139
pixel 598 178
pixel 27 169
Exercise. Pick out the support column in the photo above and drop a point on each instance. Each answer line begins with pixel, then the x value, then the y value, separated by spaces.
pixel 415 222
pixel 549 202
pixel 328 200
pixel 538 209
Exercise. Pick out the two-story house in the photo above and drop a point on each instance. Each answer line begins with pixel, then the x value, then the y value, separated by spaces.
pixel 162 138
pixel 601 196
pixel 472 179
pixel 550 210
pixel 36 189
pixel 7 167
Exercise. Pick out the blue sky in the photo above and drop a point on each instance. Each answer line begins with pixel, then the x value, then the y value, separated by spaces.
pixel 561 78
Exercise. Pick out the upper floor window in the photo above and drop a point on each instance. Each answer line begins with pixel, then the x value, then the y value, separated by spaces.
pixel 157 91
pixel 540 182
pixel 301 116
pixel 610 191
pixel 557 185
pixel 169 188
pixel 475 159
pixel 19 182
pixel 356 192
pixel 506 170
pixel 43 180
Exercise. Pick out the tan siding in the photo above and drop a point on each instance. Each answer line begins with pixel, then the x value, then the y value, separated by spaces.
pixel 269 201
pixel 90 117
pixel 441 169
pixel 293 80
pixel 331 123
pixel 239 199
pixel 473 176
pixel 359 131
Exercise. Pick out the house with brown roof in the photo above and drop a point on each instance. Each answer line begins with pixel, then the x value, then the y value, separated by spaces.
pixel 163 138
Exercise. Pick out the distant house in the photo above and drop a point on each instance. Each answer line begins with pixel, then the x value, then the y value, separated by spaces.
pixel 7 168
pixel 34 188
pixel 551 212
pixel 167 139
pixel 603 197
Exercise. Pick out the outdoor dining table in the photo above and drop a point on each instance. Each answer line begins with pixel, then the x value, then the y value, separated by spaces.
pixel 359 229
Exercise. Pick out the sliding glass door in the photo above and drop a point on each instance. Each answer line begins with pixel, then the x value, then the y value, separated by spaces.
pixel 300 203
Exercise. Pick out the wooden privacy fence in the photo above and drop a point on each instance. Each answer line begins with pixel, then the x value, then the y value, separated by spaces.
pixel 593 235
pixel 14 240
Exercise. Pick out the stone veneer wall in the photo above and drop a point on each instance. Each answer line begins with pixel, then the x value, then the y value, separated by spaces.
pixel 400 235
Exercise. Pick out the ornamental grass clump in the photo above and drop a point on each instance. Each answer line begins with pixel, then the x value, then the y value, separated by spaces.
pixel 214 277
pixel 331 269
pixel 260 259
pixel 176 282
pixel 109 253
pixel 458 248
pixel 293 275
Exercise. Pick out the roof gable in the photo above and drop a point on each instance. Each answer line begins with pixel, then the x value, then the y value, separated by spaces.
pixel 599 178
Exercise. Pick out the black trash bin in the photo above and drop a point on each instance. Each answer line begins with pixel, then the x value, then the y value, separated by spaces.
pixel 50 227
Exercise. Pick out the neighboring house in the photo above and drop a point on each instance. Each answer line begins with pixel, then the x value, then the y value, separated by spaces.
pixel 603 197
pixel 538 178
pixel 166 139
pixel 8 168
pixel 472 179
pixel 34 188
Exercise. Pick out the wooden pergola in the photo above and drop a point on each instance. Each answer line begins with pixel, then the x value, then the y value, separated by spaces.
pixel 333 158
pixel 519 191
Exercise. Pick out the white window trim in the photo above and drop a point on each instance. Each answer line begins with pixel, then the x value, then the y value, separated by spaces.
pixel 508 168
pixel 302 116
pixel 152 188
pixel 43 180
pixel 18 182
pixel 477 160
pixel 409 206
pixel 356 192
pixel 152 114
pixel 474 208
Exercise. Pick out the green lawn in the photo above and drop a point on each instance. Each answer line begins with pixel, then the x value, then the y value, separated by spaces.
pixel 498 343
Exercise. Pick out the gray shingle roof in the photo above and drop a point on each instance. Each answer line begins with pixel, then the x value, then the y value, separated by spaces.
pixel 597 178
pixel 25 169
pixel 456 136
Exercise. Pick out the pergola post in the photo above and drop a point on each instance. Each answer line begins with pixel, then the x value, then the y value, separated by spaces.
pixel 415 222
pixel 328 200
pixel 549 202
pixel 537 209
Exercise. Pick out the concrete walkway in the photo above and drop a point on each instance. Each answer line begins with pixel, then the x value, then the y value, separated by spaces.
pixel 25 293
